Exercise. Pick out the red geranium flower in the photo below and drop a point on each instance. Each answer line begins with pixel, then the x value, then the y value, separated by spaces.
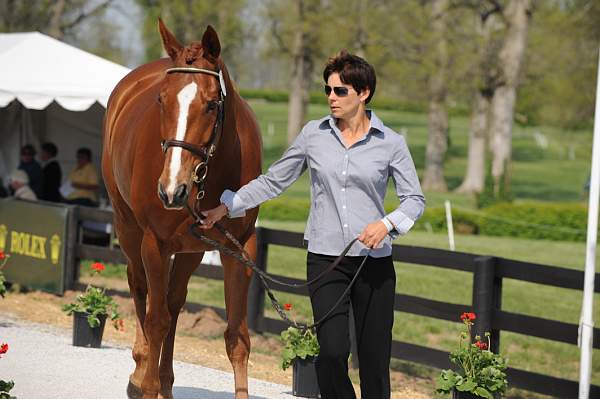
pixel 468 316
pixel 287 306
pixel 97 267
pixel 481 345
pixel 2 255
pixel 3 349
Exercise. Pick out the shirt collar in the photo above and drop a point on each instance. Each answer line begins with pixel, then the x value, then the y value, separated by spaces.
pixel 375 124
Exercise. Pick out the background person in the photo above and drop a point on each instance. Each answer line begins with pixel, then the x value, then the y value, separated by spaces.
pixel 51 173
pixel 32 168
pixel 351 155
pixel 18 182
pixel 84 180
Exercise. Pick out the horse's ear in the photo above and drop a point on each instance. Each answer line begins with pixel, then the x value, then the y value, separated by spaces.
pixel 210 42
pixel 170 43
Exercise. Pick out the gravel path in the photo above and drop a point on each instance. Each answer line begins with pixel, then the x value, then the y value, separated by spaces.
pixel 44 365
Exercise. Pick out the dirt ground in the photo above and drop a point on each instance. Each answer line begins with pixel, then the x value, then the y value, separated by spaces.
pixel 199 340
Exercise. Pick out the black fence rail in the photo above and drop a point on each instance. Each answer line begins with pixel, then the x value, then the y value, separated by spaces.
pixel 488 275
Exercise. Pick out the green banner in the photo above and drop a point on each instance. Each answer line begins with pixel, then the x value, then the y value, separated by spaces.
pixel 34 235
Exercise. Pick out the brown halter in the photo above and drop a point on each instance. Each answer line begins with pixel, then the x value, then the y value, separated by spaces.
pixel 203 152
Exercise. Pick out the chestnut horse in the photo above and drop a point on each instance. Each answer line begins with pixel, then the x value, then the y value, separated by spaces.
pixel 210 142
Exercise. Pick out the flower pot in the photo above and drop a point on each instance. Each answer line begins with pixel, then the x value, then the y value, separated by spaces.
pixel 467 395
pixel 304 378
pixel 83 334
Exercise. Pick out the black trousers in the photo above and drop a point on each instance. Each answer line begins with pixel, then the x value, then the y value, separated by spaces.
pixel 372 300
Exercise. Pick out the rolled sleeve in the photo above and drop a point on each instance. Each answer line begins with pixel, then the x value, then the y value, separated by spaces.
pixel 408 190
pixel 233 203
pixel 280 176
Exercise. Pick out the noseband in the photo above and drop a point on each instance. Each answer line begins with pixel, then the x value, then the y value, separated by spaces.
pixel 204 153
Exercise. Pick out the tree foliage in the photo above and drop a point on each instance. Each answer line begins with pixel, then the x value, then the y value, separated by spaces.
pixel 188 19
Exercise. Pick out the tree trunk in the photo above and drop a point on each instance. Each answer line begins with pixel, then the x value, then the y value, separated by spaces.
pixel 302 69
pixel 437 142
pixel 361 29
pixel 54 28
pixel 474 181
pixel 510 59
pixel 475 176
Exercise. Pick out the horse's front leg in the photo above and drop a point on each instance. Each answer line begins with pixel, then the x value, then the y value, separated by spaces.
pixel 183 267
pixel 237 340
pixel 158 319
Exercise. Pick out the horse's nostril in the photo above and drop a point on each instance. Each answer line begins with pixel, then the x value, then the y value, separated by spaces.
pixel 162 194
pixel 180 193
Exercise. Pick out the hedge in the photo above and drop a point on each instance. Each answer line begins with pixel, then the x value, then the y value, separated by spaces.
pixel 533 220
pixel 317 97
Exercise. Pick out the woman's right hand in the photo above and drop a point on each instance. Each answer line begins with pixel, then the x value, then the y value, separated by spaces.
pixel 212 216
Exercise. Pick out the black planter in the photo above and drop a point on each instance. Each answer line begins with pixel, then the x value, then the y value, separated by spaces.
pixel 304 378
pixel 83 334
pixel 467 395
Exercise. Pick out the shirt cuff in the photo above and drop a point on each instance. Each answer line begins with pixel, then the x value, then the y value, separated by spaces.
pixel 233 203
pixel 401 222
pixel 388 224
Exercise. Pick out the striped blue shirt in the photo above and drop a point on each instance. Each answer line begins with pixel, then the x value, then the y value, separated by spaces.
pixel 348 185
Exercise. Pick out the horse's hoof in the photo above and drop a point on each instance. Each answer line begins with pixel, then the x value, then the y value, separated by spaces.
pixel 134 392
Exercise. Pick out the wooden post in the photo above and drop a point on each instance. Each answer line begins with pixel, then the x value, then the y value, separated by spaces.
pixel 71 272
pixel 487 295
pixel 256 292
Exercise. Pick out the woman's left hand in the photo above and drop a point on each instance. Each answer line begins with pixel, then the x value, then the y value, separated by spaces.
pixel 373 234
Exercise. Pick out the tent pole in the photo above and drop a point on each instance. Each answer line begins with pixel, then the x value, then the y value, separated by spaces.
pixel 586 324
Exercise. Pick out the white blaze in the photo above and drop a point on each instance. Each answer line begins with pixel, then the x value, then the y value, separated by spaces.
pixel 184 98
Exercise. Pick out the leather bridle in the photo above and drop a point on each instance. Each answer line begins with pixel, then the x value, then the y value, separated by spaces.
pixel 204 153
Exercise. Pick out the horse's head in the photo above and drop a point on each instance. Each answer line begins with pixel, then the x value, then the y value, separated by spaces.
pixel 191 109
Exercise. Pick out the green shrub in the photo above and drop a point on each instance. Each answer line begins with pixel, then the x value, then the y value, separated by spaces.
pixel 434 219
pixel 535 220
pixel 295 209
pixel 379 103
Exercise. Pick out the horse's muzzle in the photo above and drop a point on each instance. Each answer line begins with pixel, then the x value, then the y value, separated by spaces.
pixel 179 197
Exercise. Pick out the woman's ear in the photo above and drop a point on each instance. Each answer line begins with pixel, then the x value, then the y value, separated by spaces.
pixel 363 95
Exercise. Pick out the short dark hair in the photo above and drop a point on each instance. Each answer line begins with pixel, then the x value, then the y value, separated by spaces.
pixel 353 70
pixel 50 148
pixel 28 149
pixel 86 152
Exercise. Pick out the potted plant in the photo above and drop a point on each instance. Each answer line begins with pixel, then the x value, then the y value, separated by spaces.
pixel 5 386
pixel 90 311
pixel 300 351
pixel 481 372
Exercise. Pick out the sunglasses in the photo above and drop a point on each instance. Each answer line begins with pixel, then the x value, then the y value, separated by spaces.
pixel 339 91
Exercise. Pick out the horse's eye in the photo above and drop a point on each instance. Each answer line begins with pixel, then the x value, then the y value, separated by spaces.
pixel 211 106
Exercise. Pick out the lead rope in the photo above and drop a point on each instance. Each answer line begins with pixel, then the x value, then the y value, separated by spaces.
pixel 243 257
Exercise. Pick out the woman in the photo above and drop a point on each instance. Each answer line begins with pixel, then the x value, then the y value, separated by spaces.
pixel 83 180
pixel 350 155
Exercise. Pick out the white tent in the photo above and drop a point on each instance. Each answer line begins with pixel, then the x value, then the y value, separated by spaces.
pixel 51 91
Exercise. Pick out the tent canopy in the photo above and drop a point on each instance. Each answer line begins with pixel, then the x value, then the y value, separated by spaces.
pixel 37 69
pixel 50 91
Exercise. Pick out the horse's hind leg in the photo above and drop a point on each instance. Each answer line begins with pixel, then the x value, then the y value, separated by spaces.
pixel 237 340
pixel 183 267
